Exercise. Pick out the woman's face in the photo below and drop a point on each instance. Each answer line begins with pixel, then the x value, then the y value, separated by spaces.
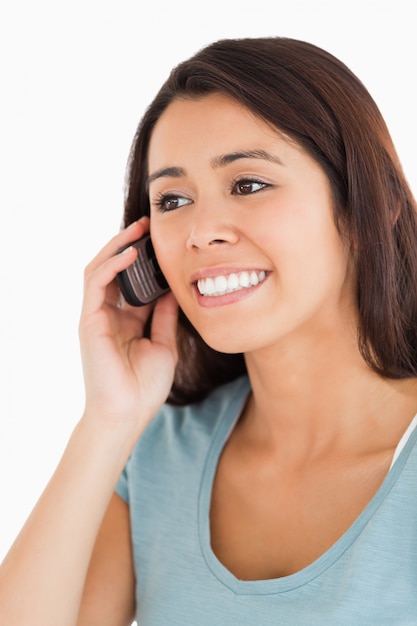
pixel 243 227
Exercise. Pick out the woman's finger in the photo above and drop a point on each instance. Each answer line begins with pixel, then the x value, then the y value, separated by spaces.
pixel 164 322
pixel 97 282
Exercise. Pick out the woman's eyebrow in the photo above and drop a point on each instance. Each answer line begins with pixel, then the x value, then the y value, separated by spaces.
pixel 172 172
pixel 218 161
pixel 225 159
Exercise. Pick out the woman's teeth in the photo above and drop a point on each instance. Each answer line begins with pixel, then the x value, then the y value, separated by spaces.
pixel 220 285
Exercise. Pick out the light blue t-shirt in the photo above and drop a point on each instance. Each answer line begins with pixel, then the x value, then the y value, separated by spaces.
pixel 367 578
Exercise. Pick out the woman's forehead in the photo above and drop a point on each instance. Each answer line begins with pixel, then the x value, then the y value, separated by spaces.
pixel 215 125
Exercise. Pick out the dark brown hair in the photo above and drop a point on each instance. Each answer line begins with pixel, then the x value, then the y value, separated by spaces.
pixel 317 101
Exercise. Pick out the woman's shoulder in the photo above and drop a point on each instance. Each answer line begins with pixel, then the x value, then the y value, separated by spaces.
pixel 177 440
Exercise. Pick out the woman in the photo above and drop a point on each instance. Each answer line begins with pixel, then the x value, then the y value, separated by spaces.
pixel 267 438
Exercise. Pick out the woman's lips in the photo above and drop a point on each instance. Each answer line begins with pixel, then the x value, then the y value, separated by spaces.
pixel 223 284
pixel 216 289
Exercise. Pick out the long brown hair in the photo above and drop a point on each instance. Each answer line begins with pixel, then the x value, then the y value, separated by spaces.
pixel 316 100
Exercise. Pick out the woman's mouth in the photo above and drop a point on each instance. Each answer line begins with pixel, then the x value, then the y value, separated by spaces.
pixel 225 284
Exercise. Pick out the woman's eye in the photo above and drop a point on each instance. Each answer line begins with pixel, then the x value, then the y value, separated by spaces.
pixel 245 187
pixel 170 203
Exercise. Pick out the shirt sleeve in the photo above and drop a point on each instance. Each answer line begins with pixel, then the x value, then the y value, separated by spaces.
pixel 122 488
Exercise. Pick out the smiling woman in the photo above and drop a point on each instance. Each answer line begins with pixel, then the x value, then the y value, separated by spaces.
pixel 310 99
pixel 253 459
pixel 236 201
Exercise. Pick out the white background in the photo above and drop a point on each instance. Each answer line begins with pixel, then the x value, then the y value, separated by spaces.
pixel 75 79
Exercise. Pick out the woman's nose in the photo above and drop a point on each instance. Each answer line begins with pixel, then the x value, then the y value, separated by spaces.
pixel 211 226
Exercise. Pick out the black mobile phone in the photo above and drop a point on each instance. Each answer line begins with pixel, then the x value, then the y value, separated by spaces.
pixel 142 282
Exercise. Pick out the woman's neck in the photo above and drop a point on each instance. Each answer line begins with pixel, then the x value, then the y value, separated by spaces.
pixel 322 395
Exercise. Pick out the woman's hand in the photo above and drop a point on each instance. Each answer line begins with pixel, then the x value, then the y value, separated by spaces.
pixel 127 377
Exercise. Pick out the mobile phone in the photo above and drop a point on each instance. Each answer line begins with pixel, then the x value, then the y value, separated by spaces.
pixel 142 282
